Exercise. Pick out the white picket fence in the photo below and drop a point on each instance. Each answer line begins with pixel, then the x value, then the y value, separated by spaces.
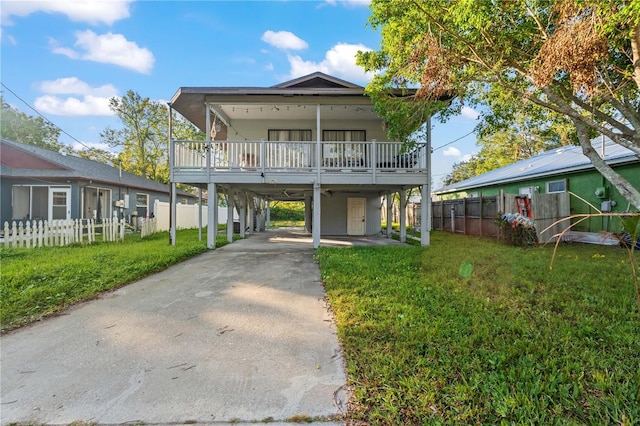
pixel 148 226
pixel 30 234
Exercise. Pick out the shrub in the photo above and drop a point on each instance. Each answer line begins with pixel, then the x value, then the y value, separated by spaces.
pixel 517 230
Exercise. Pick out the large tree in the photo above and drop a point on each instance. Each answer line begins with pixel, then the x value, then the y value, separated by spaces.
pixel 577 59
pixel 143 138
pixel 18 126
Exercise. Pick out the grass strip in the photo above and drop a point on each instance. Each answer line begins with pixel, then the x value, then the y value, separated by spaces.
pixel 470 331
pixel 42 281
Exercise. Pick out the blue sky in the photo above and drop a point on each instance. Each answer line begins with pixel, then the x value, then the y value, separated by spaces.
pixel 67 58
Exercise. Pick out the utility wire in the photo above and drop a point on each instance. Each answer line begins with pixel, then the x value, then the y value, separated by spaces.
pixel 43 117
pixel 453 141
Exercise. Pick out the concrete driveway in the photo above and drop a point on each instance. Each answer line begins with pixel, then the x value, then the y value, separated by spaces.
pixel 237 335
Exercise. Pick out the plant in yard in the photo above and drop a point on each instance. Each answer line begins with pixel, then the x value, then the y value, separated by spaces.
pixel 517 230
pixel 629 237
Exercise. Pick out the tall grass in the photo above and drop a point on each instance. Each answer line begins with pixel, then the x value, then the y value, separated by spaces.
pixel 470 331
pixel 42 281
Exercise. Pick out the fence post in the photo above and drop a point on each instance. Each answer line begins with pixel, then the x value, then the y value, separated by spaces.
pixel 453 218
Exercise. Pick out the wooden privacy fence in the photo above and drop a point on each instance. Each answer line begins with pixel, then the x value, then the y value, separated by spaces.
pixel 30 234
pixel 477 216
pixel 470 216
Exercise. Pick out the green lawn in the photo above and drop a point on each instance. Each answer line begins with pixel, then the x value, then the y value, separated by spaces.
pixel 42 281
pixel 466 331
pixel 470 331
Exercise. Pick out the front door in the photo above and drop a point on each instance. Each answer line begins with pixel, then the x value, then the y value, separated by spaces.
pixel 356 216
pixel 60 203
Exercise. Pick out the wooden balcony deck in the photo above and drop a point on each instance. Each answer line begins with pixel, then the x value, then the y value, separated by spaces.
pixel 263 161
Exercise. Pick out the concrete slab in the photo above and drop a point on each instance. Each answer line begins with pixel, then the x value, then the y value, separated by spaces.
pixel 237 335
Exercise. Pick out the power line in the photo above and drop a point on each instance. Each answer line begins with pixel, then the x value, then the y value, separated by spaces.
pixel 42 116
pixel 453 141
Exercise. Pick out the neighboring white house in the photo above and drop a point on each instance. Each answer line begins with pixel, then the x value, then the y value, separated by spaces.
pixel 315 139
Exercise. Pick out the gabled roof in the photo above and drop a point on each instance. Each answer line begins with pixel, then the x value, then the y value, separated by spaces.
pixel 313 89
pixel 317 80
pixel 18 160
pixel 567 159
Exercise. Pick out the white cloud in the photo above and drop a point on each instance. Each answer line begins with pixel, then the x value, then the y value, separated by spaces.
pixel 340 61
pixel 452 151
pixel 85 100
pixel 88 105
pixel 75 86
pixel 98 145
pixel 8 37
pixel 466 157
pixel 269 67
pixel 352 3
pixel 470 113
pixel 109 49
pixel 284 40
pixel 91 11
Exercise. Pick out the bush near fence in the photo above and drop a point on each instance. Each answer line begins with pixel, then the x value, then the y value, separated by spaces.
pixel 31 234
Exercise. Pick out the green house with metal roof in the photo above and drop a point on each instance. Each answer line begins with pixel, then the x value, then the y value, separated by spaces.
pixel 561 170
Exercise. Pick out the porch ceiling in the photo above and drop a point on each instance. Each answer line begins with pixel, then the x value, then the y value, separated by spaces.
pixel 272 104
pixel 297 192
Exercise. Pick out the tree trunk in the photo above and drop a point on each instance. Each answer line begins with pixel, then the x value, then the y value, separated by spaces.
pixel 623 186
pixel 635 48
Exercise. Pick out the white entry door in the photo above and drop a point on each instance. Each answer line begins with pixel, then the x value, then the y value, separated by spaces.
pixel 356 216
pixel 59 203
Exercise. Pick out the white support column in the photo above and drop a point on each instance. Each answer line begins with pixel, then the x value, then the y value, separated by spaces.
pixel 403 216
pixel 268 214
pixel 252 213
pixel 229 216
pixel 389 214
pixel 425 217
pixel 172 216
pixel 425 203
pixel 243 215
pixel 212 215
pixel 316 215
pixel 200 214
pixel 308 212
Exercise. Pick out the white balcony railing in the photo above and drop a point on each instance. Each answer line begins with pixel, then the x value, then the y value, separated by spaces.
pixel 281 156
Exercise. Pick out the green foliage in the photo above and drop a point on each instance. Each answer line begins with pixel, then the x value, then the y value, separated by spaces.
pixel 42 281
pixel 568 67
pixel 144 137
pixel 513 343
pixel 20 127
pixel 287 213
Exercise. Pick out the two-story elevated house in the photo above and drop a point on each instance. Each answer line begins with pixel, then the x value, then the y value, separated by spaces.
pixel 315 139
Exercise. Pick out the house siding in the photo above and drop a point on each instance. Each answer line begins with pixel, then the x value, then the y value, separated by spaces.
pixel 334 213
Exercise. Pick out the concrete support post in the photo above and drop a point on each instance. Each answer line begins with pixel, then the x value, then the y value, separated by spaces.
pixel 252 213
pixel 229 217
pixel 243 216
pixel 425 203
pixel 403 216
pixel 212 215
pixel 308 212
pixel 425 216
pixel 200 214
pixel 316 215
pixel 389 214
pixel 268 214
pixel 172 216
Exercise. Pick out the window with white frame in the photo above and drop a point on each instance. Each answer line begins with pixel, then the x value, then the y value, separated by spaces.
pixel 557 186
pixel 142 204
